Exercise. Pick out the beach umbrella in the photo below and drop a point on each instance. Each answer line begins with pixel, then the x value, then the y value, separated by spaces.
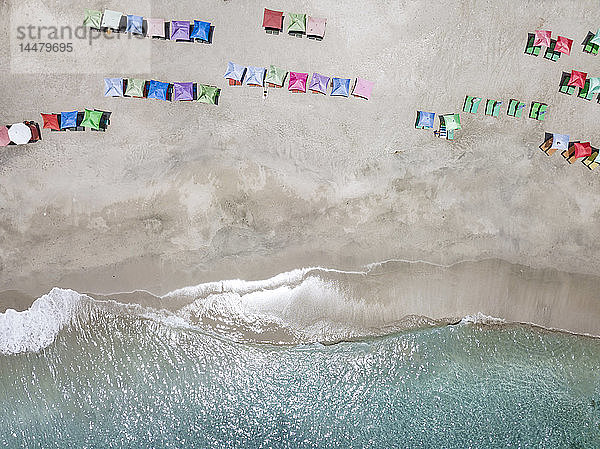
pixel 111 19
pixel 596 38
pixel 577 79
pixel 275 75
pixel 340 87
pixel 560 141
pixel 183 91
pixel 4 139
pixel 594 85
pixel 201 30
pixel 91 119
pixel 363 88
pixel 255 76
pixel 297 23
pixel 68 119
pixel 50 121
pixel 156 27
pixel 319 83
pixel 235 72
pixel 451 121
pixel 113 87
pixel 298 81
pixel 542 37
pixel 316 26
pixel 582 149
pixel 563 45
pixel 19 133
pixel 207 94
pixel 425 119
pixel 134 24
pixel 92 18
pixel 158 90
pixel 135 87
pixel 180 30
pixel 273 19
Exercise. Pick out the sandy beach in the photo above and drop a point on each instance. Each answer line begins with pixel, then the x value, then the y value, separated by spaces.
pixel 179 194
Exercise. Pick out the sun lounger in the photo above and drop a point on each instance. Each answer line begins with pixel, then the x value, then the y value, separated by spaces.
pixel 492 108
pixel 515 108
pixel 551 54
pixel 590 161
pixel 538 110
pixel 530 49
pixel 471 104
pixel 585 92
pixel 564 87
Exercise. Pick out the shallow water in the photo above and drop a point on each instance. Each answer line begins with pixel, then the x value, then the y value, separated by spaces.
pixel 116 379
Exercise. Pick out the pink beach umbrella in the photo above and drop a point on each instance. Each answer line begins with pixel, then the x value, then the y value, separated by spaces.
pixel 542 37
pixel 363 88
pixel 298 81
pixel 577 79
pixel 563 45
pixel 4 139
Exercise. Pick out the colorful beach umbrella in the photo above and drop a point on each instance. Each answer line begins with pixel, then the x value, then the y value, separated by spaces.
pixel 158 90
pixel 92 18
pixel 111 19
pixel 363 88
pixel 91 119
pixel 183 91
pixel 156 27
pixel 319 83
pixel 4 139
pixel 234 71
pixel 297 23
pixel 180 30
pixel 542 37
pixel 563 45
pixel 451 121
pixel 135 87
pixel 273 19
pixel 577 79
pixel 255 76
pixel 50 121
pixel 134 24
pixel 596 38
pixel 425 119
pixel 594 85
pixel 298 81
pixel 340 87
pixel 582 149
pixel 560 141
pixel 316 26
pixel 201 30
pixel 207 94
pixel 113 87
pixel 275 75
pixel 19 133
pixel 68 119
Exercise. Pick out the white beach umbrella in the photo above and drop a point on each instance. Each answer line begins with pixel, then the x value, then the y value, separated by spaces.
pixel 19 133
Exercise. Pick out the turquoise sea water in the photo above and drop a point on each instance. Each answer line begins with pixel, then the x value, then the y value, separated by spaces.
pixel 117 380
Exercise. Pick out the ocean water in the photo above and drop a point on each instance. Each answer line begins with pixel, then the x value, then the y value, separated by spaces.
pixel 82 372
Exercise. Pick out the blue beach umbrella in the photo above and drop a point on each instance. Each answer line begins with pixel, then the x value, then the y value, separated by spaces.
pixel 426 119
pixel 340 87
pixel 113 87
pixel 68 119
pixel 201 30
pixel 158 90
pixel 134 24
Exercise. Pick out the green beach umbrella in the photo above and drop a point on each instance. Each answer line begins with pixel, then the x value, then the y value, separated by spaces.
pixel 207 94
pixel 135 87
pixel 596 38
pixel 452 121
pixel 92 18
pixel 275 75
pixel 297 23
pixel 91 119
pixel 594 85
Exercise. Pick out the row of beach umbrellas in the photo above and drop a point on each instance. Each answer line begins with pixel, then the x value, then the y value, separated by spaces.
pixel 176 30
pixel 298 81
pixel 160 90
pixel 299 23
pixel 571 150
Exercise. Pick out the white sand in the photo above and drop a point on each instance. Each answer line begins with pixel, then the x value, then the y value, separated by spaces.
pixel 178 194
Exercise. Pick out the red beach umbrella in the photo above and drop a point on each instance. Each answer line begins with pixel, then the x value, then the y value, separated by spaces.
pixel 577 79
pixel 272 19
pixel 542 37
pixel 4 139
pixel 582 149
pixel 563 45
